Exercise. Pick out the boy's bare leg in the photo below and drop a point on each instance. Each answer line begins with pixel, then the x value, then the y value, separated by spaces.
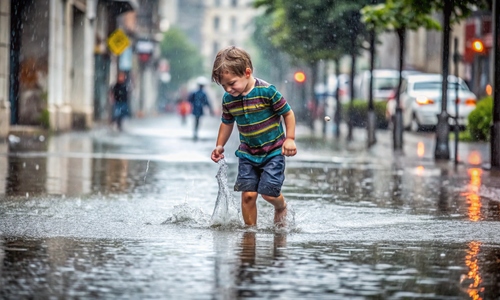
pixel 249 207
pixel 279 204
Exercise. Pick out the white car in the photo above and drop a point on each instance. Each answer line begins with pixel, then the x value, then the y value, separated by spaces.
pixel 384 82
pixel 420 101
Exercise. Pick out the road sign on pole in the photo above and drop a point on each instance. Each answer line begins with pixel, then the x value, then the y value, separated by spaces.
pixel 118 41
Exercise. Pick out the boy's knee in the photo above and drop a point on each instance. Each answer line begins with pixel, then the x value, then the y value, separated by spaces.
pixel 269 198
pixel 249 197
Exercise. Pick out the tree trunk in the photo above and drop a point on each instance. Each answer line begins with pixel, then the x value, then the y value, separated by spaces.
pixel 338 109
pixel 351 92
pixel 442 150
pixel 398 116
pixel 371 113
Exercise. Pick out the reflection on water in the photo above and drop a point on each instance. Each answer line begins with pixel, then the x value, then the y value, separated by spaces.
pixel 473 278
pixel 420 149
pixel 474 158
pixel 472 194
pixel 420 170
pixel 93 226
pixel 116 176
pixel 246 264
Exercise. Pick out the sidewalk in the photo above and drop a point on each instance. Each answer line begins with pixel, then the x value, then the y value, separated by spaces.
pixel 419 145
pixel 313 146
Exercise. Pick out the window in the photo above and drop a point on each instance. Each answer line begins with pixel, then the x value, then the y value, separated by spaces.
pixel 436 85
pixel 385 83
pixel 234 23
pixel 217 3
pixel 216 23
pixel 234 3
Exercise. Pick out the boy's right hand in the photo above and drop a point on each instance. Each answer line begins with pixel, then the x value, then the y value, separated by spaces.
pixel 217 154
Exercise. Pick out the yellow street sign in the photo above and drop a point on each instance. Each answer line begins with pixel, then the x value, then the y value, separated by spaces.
pixel 118 41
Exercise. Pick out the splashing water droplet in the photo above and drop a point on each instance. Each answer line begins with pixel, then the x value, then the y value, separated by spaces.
pixel 226 212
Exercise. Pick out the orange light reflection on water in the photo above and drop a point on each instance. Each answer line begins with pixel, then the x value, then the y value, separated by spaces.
pixel 420 149
pixel 473 275
pixel 420 170
pixel 472 194
pixel 474 158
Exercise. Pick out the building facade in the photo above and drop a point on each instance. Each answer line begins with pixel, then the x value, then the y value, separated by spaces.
pixel 48 51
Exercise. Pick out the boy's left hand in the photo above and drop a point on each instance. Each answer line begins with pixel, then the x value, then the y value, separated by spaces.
pixel 289 148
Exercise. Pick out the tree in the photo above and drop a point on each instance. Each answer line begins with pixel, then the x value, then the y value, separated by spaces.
pixel 270 59
pixel 411 14
pixel 184 59
pixel 453 12
pixel 398 16
pixel 319 30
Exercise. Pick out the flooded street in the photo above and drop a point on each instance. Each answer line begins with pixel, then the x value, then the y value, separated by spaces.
pixel 104 214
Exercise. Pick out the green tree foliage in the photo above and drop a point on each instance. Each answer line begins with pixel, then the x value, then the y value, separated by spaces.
pixel 461 8
pixel 315 29
pixel 397 14
pixel 271 62
pixel 184 58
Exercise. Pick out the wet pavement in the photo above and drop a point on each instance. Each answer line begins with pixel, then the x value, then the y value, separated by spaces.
pixel 128 215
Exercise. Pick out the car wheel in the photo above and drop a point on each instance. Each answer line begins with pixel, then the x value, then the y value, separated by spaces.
pixel 415 126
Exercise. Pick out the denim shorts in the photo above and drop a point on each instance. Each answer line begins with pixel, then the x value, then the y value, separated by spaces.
pixel 266 178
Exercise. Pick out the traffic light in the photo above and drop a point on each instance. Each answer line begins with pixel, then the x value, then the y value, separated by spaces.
pixel 478 46
pixel 299 76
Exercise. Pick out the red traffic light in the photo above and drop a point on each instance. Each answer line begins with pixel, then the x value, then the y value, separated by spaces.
pixel 299 76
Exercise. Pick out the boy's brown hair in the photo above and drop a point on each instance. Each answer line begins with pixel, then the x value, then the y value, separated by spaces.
pixel 231 59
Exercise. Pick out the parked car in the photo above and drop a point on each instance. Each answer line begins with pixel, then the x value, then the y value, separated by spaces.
pixel 384 82
pixel 420 101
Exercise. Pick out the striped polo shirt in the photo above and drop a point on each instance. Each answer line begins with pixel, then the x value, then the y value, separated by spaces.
pixel 258 116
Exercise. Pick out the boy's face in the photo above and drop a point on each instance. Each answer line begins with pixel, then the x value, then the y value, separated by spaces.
pixel 237 85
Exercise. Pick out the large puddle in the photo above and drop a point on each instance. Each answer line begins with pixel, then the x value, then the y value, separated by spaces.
pixel 129 217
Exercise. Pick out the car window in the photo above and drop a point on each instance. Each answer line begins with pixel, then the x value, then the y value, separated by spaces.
pixel 436 85
pixel 380 83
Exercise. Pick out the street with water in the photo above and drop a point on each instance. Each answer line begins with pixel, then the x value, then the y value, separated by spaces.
pixel 130 215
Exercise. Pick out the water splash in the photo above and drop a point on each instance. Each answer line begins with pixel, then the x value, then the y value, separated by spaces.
pixel 146 173
pixel 186 215
pixel 226 213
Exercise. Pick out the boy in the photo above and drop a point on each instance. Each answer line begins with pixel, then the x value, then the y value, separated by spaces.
pixel 257 108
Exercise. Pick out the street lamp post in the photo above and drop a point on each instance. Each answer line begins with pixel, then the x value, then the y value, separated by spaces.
pixel 495 128
pixel 456 60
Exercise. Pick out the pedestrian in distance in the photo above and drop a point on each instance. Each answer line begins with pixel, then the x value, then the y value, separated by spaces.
pixel 257 108
pixel 183 108
pixel 199 101
pixel 120 100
